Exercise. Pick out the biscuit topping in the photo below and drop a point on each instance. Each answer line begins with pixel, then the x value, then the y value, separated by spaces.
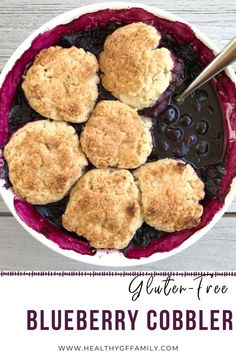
pixel 62 84
pixel 170 192
pixel 104 207
pixel 44 160
pixel 134 69
pixel 115 136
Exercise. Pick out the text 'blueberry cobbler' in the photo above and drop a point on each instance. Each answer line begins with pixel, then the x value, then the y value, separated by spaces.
pixel 200 131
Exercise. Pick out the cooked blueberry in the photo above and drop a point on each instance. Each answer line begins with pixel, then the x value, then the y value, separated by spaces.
pixel 163 145
pixel 145 234
pixel 212 188
pixel 188 53
pixel 201 95
pixel 213 172
pixel 202 148
pixel 177 152
pixel 161 127
pixel 21 112
pixel 202 127
pixel 178 66
pixel 174 134
pixel 178 73
pixel 54 211
pixel 194 71
pixel 186 120
pixel 98 35
pixel 190 139
pixel 68 41
pixel 220 170
pixel 170 115
pixel 112 26
pixel 167 41
pixel 144 240
pixel 86 43
pixel 178 82
pixel 180 151
pixel 90 39
pixel 150 112
pixel 160 105
pixel 4 174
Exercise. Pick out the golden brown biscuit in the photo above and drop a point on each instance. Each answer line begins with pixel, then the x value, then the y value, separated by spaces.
pixel 104 207
pixel 44 160
pixel 170 192
pixel 133 69
pixel 62 84
pixel 115 136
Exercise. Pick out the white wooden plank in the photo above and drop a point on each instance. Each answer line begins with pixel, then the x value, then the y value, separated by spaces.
pixel 215 251
pixel 3 208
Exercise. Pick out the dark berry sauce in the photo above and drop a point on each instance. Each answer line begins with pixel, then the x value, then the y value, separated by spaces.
pixel 192 131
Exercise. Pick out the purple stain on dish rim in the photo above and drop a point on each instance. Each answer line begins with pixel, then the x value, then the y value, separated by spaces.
pixel 181 34
pixel 33 219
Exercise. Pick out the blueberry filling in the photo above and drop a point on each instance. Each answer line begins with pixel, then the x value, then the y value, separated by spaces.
pixel 192 131
pixel 91 40
pixel 21 112
pixel 54 211
pixel 177 131
pixel 144 235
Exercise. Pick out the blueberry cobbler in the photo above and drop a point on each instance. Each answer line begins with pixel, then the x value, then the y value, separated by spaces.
pixel 95 147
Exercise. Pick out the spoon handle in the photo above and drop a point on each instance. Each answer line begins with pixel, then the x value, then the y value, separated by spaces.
pixel 222 60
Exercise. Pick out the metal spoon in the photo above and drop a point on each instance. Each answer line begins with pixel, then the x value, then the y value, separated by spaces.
pixel 221 61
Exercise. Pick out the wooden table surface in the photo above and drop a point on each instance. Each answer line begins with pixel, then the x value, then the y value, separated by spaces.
pixel 18 250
